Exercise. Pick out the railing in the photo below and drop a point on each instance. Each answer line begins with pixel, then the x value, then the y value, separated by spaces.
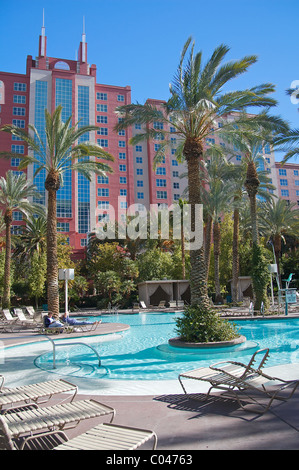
pixel 70 344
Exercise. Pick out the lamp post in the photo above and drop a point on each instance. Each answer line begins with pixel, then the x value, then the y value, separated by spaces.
pixel 66 275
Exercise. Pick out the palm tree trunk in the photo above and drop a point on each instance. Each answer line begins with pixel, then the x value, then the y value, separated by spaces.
pixel 6 290
pixel 216 237
pixel 252 183
pixel 183 251
pixel 235 273
pixel 198 280
pixel 52 262
pixel 208 238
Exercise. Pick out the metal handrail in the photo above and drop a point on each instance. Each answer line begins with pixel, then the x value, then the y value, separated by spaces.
pixel 70 344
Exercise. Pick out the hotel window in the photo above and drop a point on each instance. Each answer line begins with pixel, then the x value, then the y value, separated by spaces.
pixel 285 192
pixel 102 119
pixel 103 192
pixel 18 111
pixel 15 137
pixel 121 143
pixel 20 99
pixel 161 183
pixel 176 185
pixel 173 141
pixel 139 171
pixel 103 142
pixel 283 182
pixel 175 174
pixel 137 126
pixel 17 149
pixel 103 131
pixel 102 108
pixel 297 192
pixel 83 242
pixel 63 227
pixel 282 172
pixel 19 123
pixel 123 204
pixel 122 155
pixel 138 148
pixel 102 96
pixel 296 173
pixel 210 141
pixel 296 182
pixel 176 197
pixel 15 161
pixel 122 180
pixel 17 215
pixel 122 167
pixel 138 159
pixel 172 129
pixel 103 205
pixel 139 183
pixel 161 194
pixel 19 86
pixel 122 132
pixel 267 148
pixel 157 146
pixel 175 163
pixel 120 98
pixel 173 151
pixel 158 125
pixel 238 158
pixel 161 171
pixel 122 192
pixel 140 195
pixel 103 180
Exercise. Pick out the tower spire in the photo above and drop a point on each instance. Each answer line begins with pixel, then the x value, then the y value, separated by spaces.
pixel 83 45
pixel 43 39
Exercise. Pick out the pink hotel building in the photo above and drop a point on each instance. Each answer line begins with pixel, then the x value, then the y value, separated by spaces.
pixel 49 82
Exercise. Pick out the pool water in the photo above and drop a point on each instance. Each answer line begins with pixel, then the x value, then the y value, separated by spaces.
pixel 143 352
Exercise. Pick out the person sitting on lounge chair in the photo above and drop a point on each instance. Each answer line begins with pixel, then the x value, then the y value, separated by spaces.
pixel 72 321
pixel 50 322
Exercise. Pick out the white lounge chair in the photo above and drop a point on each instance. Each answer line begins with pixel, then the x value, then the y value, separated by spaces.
pixel 172 303
pixel 142 304
pixel 32 419
pixel 232 377
pixel 37 393
pixel 9 323
pixel 105 436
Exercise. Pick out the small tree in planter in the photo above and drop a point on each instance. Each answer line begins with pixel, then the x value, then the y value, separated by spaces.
pixel 197 326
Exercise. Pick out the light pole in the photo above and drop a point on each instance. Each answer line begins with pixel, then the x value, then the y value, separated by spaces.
pixel 66 275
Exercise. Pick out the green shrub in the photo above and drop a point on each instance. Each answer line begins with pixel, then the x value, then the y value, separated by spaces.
pixel 197 326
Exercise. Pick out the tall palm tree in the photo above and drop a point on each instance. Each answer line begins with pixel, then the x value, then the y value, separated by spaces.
pixel 15 191
pixel 197 100
pixel 62 150
pixel 238 176
pixel 216 198
pixel 279 219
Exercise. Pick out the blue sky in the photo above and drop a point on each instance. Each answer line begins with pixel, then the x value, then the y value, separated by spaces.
pixel 138 42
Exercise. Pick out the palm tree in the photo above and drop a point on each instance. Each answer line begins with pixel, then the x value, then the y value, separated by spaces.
pixel 238 176
pixel 15 191
pixel 197 100
pixel 279 219
pixel 63 150
pixel 216 199
pixel 32 238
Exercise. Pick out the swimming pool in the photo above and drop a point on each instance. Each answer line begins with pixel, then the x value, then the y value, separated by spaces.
pixel 143 353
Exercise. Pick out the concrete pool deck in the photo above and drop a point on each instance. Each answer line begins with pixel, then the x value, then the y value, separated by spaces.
pixel 181 423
